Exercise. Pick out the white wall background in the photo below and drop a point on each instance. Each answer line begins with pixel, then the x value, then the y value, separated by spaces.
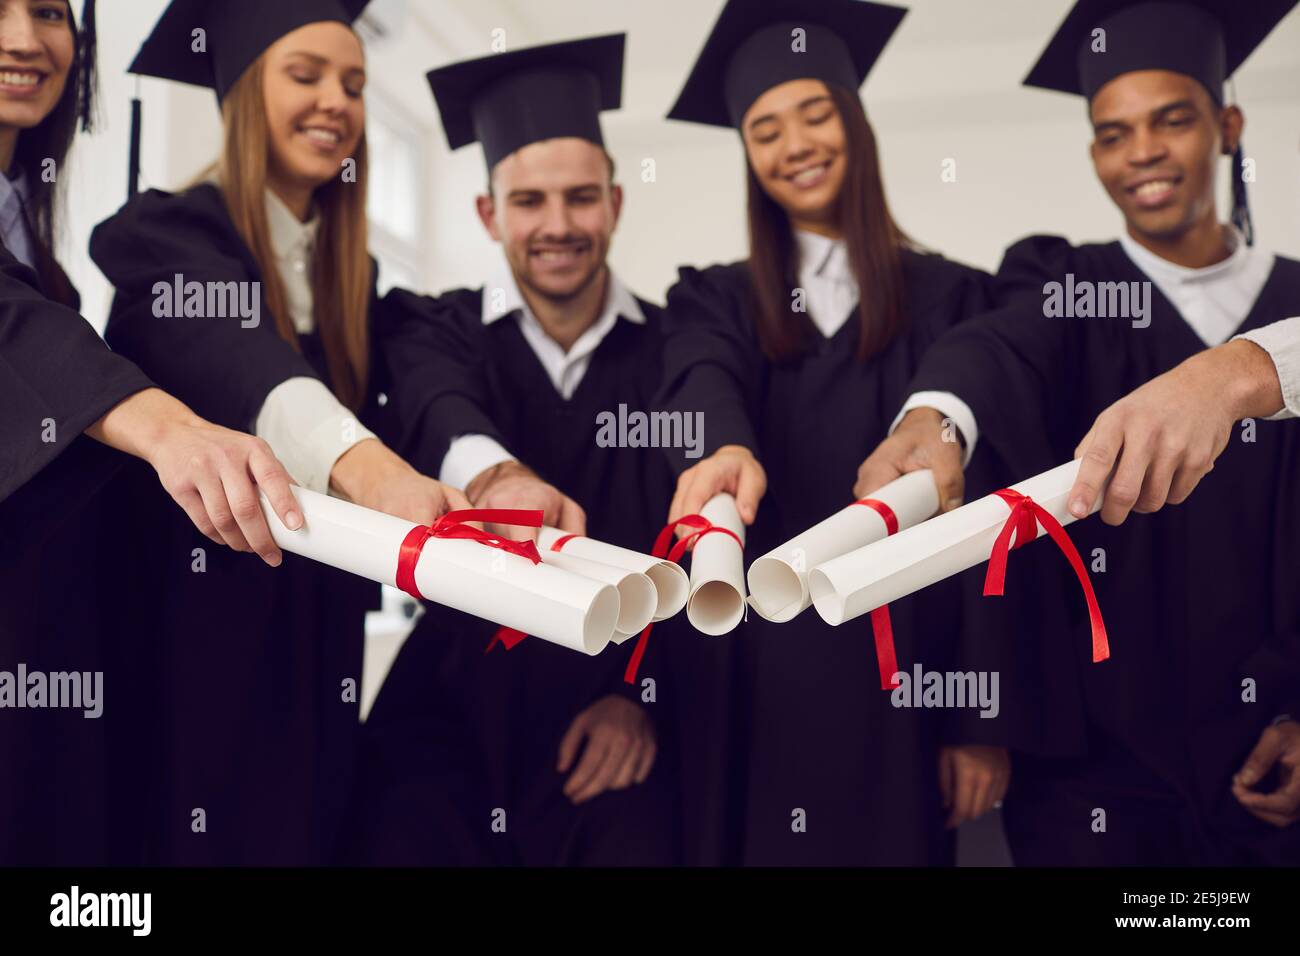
pixel 947 87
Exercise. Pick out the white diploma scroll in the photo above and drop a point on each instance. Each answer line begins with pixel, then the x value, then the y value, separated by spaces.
pixel 717 600
pixel 669 580
pixel 541 600
pixel 870 577
pixel 778 581
pixel 636 592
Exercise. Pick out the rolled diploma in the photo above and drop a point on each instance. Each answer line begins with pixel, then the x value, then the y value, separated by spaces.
pixel 778 581
pixel 870 577
pixel 507 589
pixel 717 600
pixel 668 577
pixel 636 592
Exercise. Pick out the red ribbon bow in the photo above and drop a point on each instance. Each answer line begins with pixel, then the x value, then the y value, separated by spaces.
pixel 452 525
pixel 882 628
pixel 1026 515
pixel 700 526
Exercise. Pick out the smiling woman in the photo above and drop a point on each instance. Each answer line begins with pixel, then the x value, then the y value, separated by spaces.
pixel 259 671
pixel 46 86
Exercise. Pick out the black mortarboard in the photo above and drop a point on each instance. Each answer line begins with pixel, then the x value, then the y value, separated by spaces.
pixel 1204 39
pixel 754 46
pixel 235 34
pixel 508 100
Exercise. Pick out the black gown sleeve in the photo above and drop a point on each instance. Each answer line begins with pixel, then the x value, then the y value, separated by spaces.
pixel 712 360
pixel 433 352
pixel 219 368
pixel 52 367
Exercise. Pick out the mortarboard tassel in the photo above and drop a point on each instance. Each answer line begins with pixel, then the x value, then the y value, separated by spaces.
pixel 1240 202
pixel 86 67
pixel 133 160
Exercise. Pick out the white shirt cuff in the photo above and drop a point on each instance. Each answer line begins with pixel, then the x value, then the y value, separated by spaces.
pixel 308 429
pixel 468 457
pixel 1281 341
pixel 951 407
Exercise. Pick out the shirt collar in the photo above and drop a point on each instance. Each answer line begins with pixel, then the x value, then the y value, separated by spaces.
pixel 288 235
pixel 16 184
pixel 501 297
pixel 1158 267
pixel 823 257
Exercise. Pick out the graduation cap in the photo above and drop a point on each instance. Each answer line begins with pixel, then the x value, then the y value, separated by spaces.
pixel 234 34
pixel 758 44
pixel 508 100
pixel 1204 39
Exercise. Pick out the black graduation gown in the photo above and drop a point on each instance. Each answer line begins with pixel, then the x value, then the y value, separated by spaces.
pixel 57 593
pixel 812 730
pixel 1196 598
pixel 245 676
pixel 451 375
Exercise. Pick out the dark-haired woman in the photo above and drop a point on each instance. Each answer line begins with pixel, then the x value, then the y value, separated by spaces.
pixel 799 358
pixel 65 401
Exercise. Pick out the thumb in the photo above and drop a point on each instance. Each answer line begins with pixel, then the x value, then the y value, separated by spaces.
pixel 572 739
pixel 951 482
pixel 572 518
pixel 1262 758
pixel 749 491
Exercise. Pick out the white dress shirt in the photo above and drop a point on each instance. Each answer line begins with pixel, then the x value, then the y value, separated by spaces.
pixel 831 294
pixel 471 455
pixel 1215 300
pixel 305 425
pixel 15 227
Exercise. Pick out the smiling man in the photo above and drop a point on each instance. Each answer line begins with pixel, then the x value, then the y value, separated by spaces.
pixel 1182 748
pixel 500 390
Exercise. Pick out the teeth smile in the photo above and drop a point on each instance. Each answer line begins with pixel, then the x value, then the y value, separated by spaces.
pixel 808 175
pixel 1148 190
pixel 555 255
pixel 325 137
pixel 19 79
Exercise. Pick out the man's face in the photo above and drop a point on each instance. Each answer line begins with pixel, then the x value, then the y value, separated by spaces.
pixel 554 209
pixel 1156 137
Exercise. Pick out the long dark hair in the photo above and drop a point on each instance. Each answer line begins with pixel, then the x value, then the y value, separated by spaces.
pixel 50 140
pixel 874 242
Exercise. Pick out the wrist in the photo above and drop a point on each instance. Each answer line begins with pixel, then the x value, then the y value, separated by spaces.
pixel 361 468
pixel 144 424
pixel 1252 384
pixel 740 450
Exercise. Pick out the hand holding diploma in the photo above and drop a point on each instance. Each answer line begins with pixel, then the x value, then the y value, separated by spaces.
pixel 370 474
pixel 1163 438
pixel 213 473
pixel 922 440
pixel 731 470
pixel 512 485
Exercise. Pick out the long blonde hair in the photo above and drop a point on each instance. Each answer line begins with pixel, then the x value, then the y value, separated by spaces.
pixel 341 269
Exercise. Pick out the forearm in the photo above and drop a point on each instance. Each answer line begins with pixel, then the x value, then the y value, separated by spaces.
pixel 1246 374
